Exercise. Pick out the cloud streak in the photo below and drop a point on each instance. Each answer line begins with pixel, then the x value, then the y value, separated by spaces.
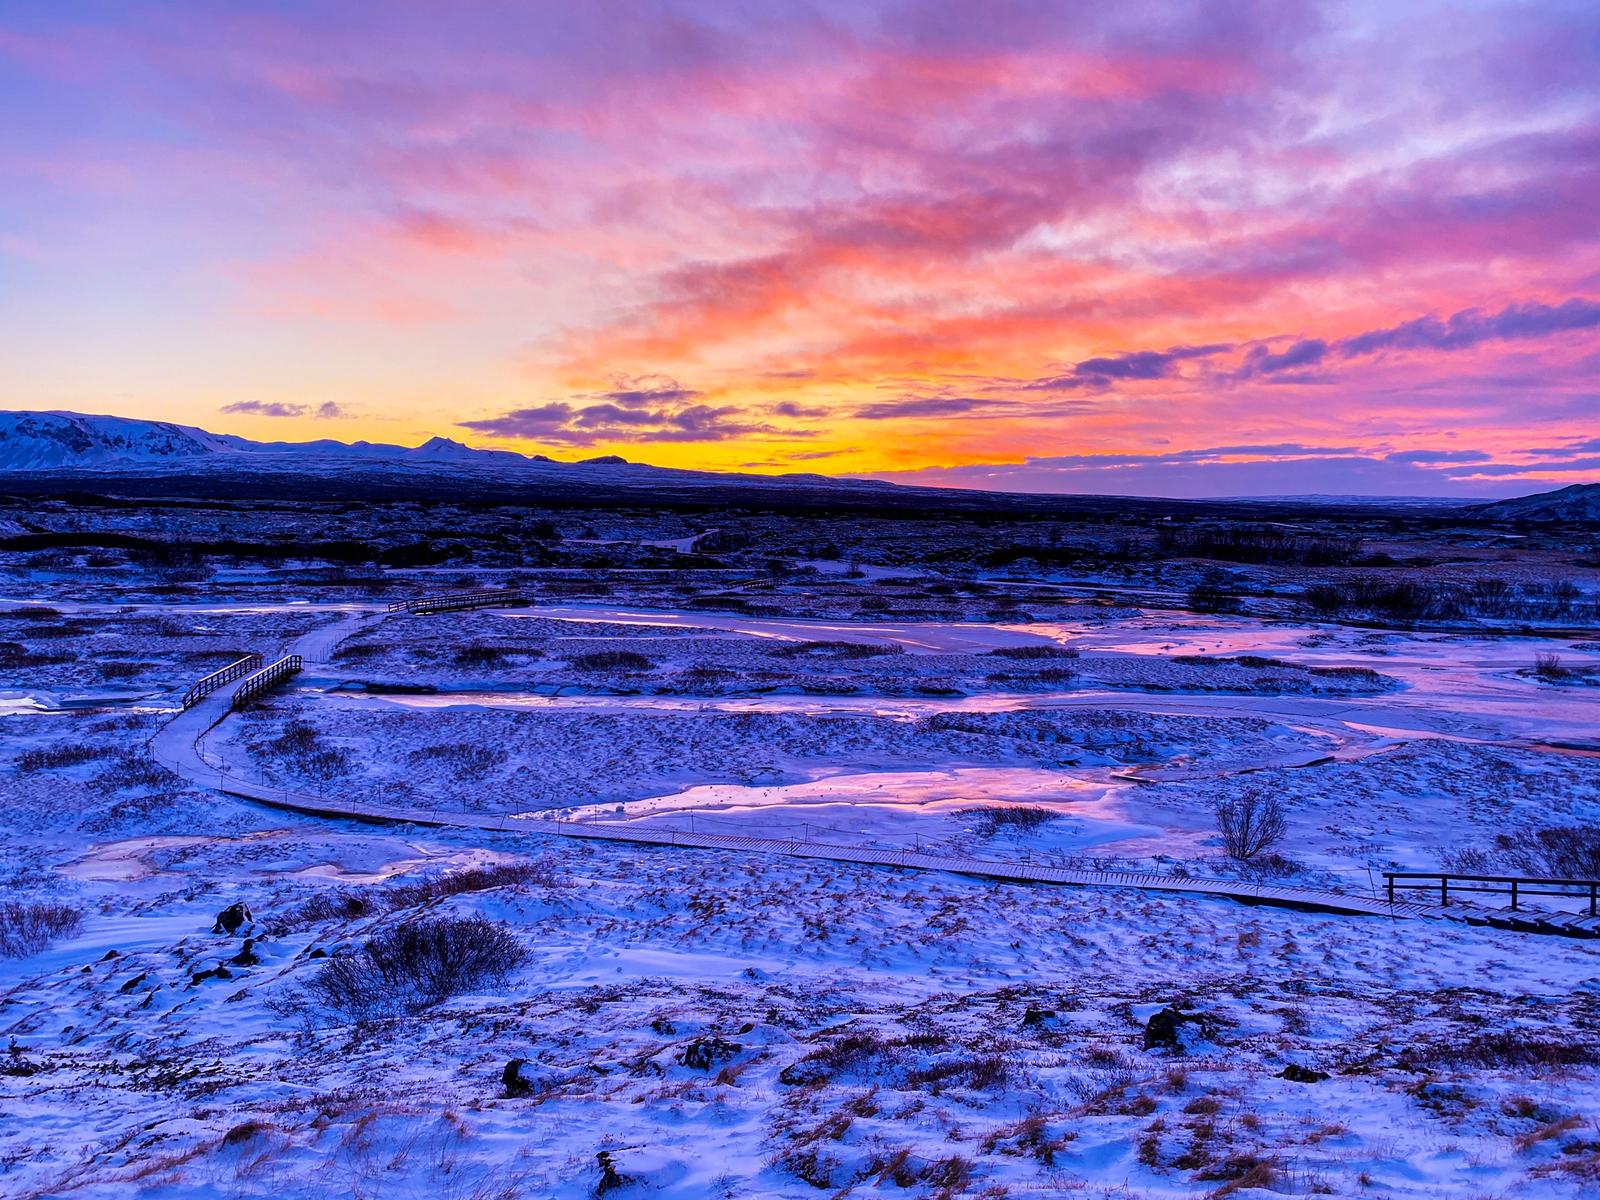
pixel 326 411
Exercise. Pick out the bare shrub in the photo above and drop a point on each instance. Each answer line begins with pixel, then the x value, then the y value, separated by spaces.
pixel 130 771
pixel 417 965
pixel 28 928
pixel 1033 652
pixel 15 656
pixel 70 754
pixel 1506 1049
pixel 1564 852
pixel 124 670
pixel 808 1166
pixel 1107 1070
pixel 358 652
pixel 1257 544
pixel 610 660
pixel 1214 592
pixel 480 654
pixel 1251 824
pixel 1243 1172
pixel 1020 818
pixel 1549 666
pixel 302 744
pixel 980 1072
pixel 346 904
pixel 466 758
pixel 836 650
pixel 33 612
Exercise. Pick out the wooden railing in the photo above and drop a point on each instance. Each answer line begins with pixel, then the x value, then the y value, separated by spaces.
pixel 210 683
pixel 267 678
pixel 1516 886
pixel 454 601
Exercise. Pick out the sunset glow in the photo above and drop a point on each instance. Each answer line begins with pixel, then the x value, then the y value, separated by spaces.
pixel 1184 249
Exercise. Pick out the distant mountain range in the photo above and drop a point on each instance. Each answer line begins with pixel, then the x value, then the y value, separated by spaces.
pixel 65 441
pixel 57 451
pixel 124 448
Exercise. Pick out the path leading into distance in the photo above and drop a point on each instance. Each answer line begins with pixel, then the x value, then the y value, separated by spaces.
pixel 179 746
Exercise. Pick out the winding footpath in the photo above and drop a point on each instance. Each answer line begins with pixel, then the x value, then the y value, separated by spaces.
pixel 179 745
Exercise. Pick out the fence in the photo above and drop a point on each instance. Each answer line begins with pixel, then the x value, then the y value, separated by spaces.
pixel 234 670
pixel 267 678
pixel 453 601
pixel 1517 886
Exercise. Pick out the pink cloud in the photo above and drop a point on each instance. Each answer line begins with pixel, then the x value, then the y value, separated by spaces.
pixel 839 208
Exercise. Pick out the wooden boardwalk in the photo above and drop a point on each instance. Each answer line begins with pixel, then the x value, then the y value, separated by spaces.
pixel 178 746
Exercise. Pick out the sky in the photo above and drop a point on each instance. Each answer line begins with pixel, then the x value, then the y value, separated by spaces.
pixel 1188 249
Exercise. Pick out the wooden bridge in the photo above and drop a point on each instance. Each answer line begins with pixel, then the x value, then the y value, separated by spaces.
pixel 266 679
pixel 456 601
pixel 210 683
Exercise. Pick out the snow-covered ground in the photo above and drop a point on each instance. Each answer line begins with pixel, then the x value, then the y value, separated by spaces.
pixel 704 1023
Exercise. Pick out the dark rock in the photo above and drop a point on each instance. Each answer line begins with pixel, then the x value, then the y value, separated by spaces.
pixel 108 956
pixel 524 1077
pixel 1161 1030
pixel 704 1053
pixel 232 919
pixel 804 1073
pixel 515 1084
pixel 134 982
pixel 247 955
pixel 1038 1016
pixel 1295 1073
pixel 217 972
pixel 611 1179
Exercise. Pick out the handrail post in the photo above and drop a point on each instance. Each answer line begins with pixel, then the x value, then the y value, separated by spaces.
pixel 1444 891
pixel 1513 895
pixel 1391 891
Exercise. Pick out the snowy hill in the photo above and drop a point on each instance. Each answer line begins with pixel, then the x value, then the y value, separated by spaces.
pixel 44 445
pixel 1580 502
pixel 65 441
pixel 51 441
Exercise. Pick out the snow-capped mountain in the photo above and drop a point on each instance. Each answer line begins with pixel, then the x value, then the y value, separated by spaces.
pixel 54 441
pixel 47 446
pixel 65 441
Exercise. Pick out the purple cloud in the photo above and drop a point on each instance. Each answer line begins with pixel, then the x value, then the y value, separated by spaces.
pixel 1098 374
pixel 648 389
pixel 1471 327
pixel 1437 456
pixel 561 422
pixel 1144 364
pixel 1307 352
pixel 326 411
pixel 265 408
pixel 925 406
